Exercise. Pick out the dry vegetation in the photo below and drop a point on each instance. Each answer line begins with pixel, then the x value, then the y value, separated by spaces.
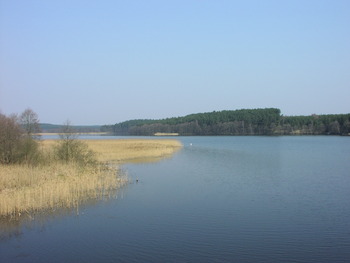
pixel 132 150
pixel 126 150
pixel 25 189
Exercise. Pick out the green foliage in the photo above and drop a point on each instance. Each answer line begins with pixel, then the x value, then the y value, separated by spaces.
pixel 238 122
pixel 331 124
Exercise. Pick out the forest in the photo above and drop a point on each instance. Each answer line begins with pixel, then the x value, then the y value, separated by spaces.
pixel 268 121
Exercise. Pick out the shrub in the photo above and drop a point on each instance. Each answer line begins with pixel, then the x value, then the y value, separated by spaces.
pixel 10 134
pixel 74 151
pixel 70 149
pixel 15 145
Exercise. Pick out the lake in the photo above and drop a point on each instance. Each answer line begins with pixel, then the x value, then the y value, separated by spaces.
pixel 219 199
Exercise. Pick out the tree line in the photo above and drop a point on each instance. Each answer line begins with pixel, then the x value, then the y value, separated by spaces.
pixel 57 128
pixel 268 121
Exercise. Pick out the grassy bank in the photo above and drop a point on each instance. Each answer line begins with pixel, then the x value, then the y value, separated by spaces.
pixel 52 184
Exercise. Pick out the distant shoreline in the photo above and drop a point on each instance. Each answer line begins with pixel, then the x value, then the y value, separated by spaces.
pixel 80 133
pixel 166 134
pixel 268 121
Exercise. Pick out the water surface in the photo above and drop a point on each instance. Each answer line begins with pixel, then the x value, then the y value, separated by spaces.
pixel 220 199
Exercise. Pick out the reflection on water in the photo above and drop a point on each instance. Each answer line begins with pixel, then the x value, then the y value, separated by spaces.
pixel 13 226
pixel 150 159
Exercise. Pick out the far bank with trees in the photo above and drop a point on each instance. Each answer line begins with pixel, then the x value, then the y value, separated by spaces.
pixel 268 121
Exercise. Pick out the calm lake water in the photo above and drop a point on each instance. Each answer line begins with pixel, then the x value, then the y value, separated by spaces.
pixel 219 199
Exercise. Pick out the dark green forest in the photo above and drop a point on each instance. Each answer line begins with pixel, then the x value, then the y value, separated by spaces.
pixel 267 121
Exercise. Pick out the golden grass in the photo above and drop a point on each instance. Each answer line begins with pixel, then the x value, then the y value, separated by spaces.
pixel 26 189
pixel 130 150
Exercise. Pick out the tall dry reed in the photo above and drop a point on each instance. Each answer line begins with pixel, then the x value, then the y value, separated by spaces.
pixel 51 184
pixel 128 150
pixel 26 189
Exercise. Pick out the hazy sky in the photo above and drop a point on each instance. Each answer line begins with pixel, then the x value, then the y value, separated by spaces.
pixel 102 62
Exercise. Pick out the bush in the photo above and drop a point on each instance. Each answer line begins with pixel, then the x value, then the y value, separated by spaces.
pixel 10 139
pixel 70 149
pixel 75 151
pixel 15 145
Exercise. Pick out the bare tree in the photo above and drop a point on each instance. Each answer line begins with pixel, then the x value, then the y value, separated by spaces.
pixel 30 122
pixel 68 133
pixel 70 149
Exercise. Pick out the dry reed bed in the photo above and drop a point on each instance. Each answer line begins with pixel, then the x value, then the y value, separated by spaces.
pixel 128 150
pixel 25 189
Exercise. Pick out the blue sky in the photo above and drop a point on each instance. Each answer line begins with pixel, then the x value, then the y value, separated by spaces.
pixel 102 62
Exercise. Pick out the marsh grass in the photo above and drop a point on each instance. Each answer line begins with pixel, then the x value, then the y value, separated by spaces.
pixel 26 189
pixel 133 150
pixel 52 185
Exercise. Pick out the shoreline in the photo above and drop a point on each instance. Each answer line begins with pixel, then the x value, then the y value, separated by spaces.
pixel 26 190
pixel 79 133
pixel 120 151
